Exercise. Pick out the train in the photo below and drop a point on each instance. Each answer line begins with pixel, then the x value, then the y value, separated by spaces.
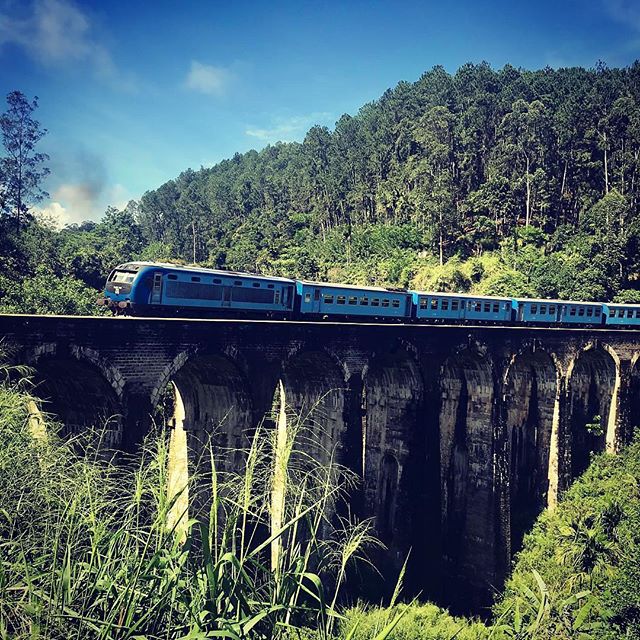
pixel 164 290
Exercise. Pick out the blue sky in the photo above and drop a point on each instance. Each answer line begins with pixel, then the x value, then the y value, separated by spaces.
pixel 133 92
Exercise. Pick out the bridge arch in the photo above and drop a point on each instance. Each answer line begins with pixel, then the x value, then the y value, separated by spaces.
pixel 80 391
pixel 593 381
pixel 466 419
pixel 315 392
pixel 531 399
pixel 216 405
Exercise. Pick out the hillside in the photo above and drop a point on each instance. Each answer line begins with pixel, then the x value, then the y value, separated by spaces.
pixel 460 165
pixel 498 181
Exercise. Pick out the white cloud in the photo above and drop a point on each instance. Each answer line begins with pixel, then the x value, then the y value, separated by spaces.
pixel 208 79
pixel 57 32
pixel 76 203
pixel 289 129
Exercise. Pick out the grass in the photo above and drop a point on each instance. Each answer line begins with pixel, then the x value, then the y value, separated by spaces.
pixel 93 548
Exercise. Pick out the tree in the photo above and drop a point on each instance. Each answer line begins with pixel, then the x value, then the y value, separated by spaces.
pixel 22 170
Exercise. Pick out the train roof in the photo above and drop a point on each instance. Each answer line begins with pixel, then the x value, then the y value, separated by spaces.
pixel 469 296
pixel 626 305
pixel 336 285
pixel 220 272
pixel 556 301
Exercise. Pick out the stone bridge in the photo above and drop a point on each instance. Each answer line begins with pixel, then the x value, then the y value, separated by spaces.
pixel 461 435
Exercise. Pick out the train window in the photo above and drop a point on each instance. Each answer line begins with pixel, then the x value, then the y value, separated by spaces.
pixel 445 305
pixel 552 309
pixel 215 281
pixel 423 303
pixel 195 279
pixel 572 311
pixel 596 312
pixel 589 312
pixel 269 286
pixel 327 299
pixel 637 313
pixel 237 283
pixel 307 297
pixel 487 307
pixel 341 300
pixel 629 313
pixel 375 302
pixel 172 277
pixel 395 304
pixel 434 303
pixel 256 284
pixel 543 309
pixel 581 311
pixel 534 308
pixel 496 307
pixel 454 305
pixel 123 277
pixel 364 301
pixel 477 306
pixel 353 299
pixel 385 302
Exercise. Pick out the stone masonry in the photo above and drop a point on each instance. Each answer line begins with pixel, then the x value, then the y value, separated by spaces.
pixel 461 435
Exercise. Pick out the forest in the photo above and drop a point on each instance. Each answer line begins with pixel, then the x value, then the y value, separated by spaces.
pixel 502 181
pixel 505 181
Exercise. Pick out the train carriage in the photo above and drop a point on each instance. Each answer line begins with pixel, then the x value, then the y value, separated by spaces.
pixel 582 313
pixel 622 314
pixel 318 299
pixel 442 307
pixel 538 310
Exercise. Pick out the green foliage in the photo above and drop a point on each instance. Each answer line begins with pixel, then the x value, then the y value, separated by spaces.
pixel 585 554
pixel 21 166
pixel 424 621
pixel 88 551
pixel 47 293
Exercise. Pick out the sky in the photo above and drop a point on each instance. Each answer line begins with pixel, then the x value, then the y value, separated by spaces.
pixel 134 92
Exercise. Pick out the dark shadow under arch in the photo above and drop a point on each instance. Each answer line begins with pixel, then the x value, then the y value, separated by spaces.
pixel 591 388
pixel 78 395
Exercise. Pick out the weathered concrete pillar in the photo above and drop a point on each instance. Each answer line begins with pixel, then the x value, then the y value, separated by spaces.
pixel 137 421
pixel 558 442
pixel 631 388
pixel 531 408
pixel 393 401
pixel 353 455
pixel 467 425
pixel 315 391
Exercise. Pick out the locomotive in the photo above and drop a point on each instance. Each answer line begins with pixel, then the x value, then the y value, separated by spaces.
pixel 164 290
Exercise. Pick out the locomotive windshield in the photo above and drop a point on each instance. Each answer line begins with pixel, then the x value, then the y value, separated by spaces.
pixel 123 277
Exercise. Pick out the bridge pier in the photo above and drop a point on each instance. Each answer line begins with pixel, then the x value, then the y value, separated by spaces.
pixel 455 431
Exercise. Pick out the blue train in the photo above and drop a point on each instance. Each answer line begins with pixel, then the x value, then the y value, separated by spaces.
pixel 157 289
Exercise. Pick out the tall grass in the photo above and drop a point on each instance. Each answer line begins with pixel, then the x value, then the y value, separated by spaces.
pixel 94 548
